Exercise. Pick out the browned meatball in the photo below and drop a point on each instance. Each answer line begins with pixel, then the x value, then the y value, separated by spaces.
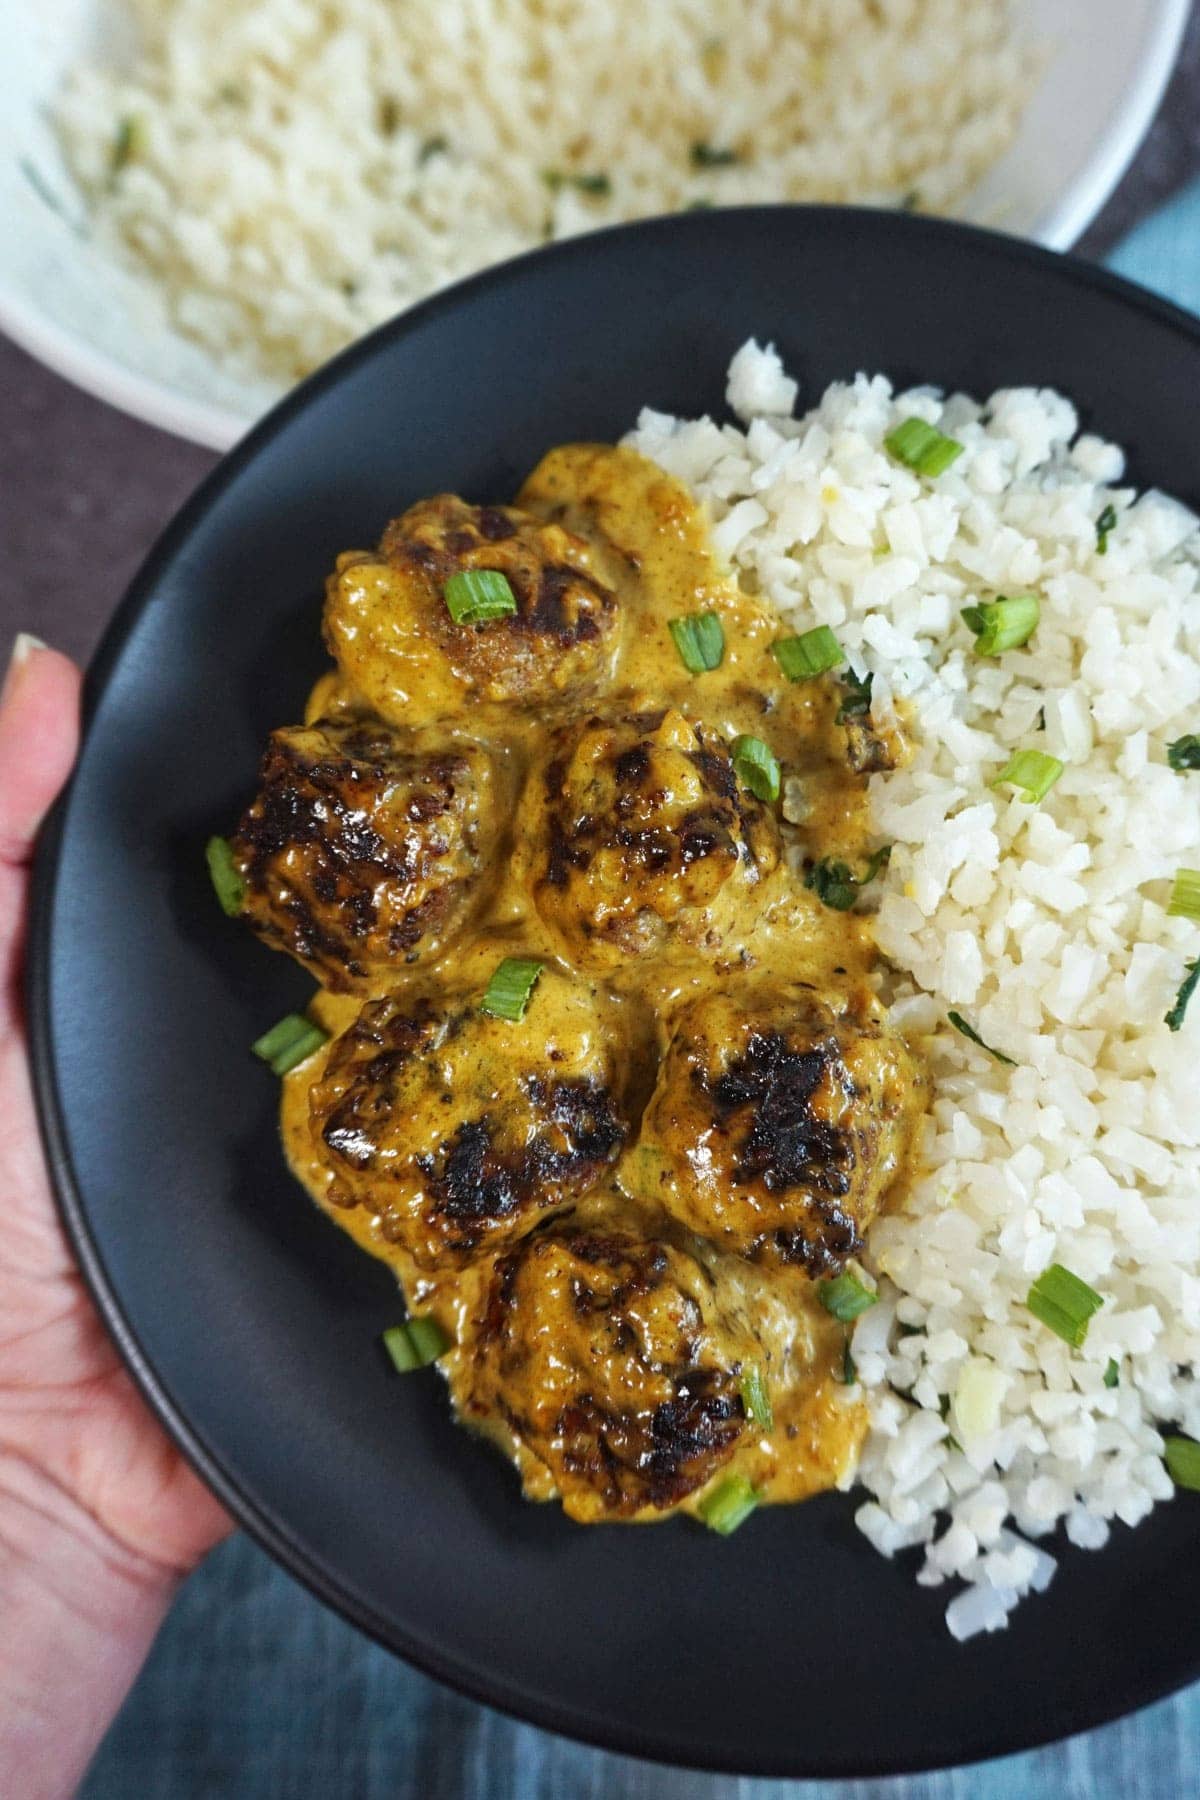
pixel 362 846
pixel 608 1358
pixel 643 836
pixel 460 1131
pixel 779 1119
pixel 389 627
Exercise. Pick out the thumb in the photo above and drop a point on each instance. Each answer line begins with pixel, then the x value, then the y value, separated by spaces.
pixel 39 735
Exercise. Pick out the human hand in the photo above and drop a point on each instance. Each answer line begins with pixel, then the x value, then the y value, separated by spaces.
pixel 99 1514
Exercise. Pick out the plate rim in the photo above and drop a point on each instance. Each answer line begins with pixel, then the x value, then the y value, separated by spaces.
pixel 257 1520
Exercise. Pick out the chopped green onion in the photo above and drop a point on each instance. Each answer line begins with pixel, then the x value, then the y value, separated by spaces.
pixel 1187 988
pixel 711 156
pixel 922 447
pixel 289 1042
pixel 836 887
pixel 416 1344
pixel 857 701
pixel 227 882
pixel 598 184
pixel 1182 1457
pixel 1184 753
pixel 474 596
pixel 849 1369
pixel 1185 895
pixel 508 991
pixel 845 1296
pixel 1112 1373
pixel 1033 772
pixel 700 641
pixel 1064 1303
pixel 812 653
pixel 1104 524
pixel 756 1397
pixel 128 142
pixel 1004 623
pixel 969 1031
pixel 756 767
pixel 729 1505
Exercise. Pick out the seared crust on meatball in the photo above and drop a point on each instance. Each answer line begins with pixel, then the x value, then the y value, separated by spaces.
pixel 389 627
pixel 459 1131
pixel 607 1357
pixel 777 1124
pixel 362 846
pixel 644 835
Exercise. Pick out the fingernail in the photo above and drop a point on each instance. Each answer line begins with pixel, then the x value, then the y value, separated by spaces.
pixel 24 645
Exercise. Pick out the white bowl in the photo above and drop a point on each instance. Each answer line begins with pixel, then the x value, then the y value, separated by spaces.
pixel 1110 62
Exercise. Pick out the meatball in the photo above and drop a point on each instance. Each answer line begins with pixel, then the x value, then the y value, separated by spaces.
pixel 609 1359
pixel 460 1131
pixel 362 846
pixel 778 1121
pixel 389 627
pixel 643 834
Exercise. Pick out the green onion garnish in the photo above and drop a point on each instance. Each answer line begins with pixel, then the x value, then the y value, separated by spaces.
pixel 289 1042
pixel 845 1296
pixel 507 993
pixel 1064 1303
pixel 836 887
pixel 1182 1457
pixel 474 596
pixel 227 882
pixel 729 1505
pixel 1004 623
pixel 129 139
pixel 922 447
pixel 1112 1373
pixel 1185 895
pixel 711 156
pixel 1104 524
pixel 416 1344
pixel 1184 753
pixel 756 1397
pixel 969 1031
pixel 857 701
pixel 849 1369
pixel 598 184
pixel 700 641
pixel 756 767
pixel 1033 772
pixel 812 653
pixel 1187 988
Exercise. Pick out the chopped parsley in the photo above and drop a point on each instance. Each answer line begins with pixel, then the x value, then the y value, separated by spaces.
pixel 969 1031
pixel 1184 753
pixel 835 886
pixel 713 156
pixel 1187 988
pixel 857 701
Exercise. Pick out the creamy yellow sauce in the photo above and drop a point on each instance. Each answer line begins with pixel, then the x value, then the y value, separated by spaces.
pixel 650 543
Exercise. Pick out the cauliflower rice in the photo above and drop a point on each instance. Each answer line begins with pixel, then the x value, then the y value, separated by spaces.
pixel 288 174
pixel 1044 925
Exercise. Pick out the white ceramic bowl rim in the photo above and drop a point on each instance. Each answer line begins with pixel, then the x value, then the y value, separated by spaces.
pixel 155 401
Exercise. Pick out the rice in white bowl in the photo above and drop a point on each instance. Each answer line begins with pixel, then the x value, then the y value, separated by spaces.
pixel 289 173
pixel 1044 926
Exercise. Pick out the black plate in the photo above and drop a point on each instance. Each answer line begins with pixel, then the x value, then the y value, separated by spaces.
pixel 249 1320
